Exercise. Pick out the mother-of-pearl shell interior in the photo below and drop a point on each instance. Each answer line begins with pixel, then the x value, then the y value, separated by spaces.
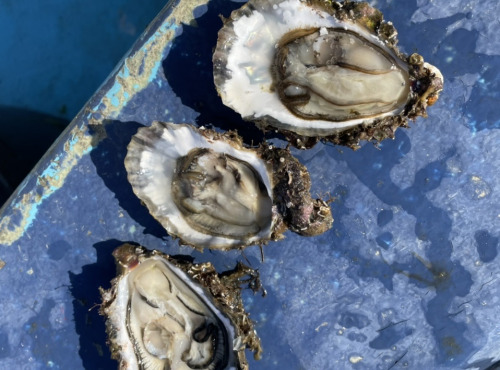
pixel 248 86
pixel 171 325
pixel 157 153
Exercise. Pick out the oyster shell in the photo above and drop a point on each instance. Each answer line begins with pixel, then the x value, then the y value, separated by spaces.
pixel 207 189
pixel 320 70
pixel 166 313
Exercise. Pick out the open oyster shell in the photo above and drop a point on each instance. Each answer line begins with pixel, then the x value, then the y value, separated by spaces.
pixel 210 191
pixel 315 69
pixel 166 313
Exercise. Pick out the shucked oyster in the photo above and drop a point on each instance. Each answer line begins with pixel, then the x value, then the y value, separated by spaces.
pixel 207 189
pixel 316 69
pixel 167 313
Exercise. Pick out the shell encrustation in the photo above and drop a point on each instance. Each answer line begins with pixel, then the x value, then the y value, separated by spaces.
pixel 167 313
pixel 210 191
pixel 320 70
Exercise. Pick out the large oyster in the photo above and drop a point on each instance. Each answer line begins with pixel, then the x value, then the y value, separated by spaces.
pixel 207 189
pixel 167 313
pixel 320 69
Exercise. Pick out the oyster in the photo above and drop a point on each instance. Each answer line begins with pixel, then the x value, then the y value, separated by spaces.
pixel 315 69
pixel 207 189
pixel 167 313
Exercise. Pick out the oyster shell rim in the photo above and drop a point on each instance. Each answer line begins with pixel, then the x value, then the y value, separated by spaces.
pixel 426 80
pixel 225 301
pixel 289 183
pixel 207 138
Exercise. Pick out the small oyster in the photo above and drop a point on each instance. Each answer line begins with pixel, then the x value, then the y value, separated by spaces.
pixel 207 189
pixel 315 69
pixel 167 313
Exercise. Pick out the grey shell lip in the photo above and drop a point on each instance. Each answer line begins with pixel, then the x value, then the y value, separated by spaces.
pixel 425 80
pixel 151 164
pixel 221 293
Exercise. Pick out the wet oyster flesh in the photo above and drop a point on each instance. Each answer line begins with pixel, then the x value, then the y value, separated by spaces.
pixel 344 78
pixel 220 194
pixel 210 191
pixel 320 70
pixel 166 313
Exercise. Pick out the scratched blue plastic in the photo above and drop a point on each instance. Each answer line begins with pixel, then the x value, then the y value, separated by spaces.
pixel 407 278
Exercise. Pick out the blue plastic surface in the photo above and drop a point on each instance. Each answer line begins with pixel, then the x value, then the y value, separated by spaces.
pixel 56 53
pixel 406 278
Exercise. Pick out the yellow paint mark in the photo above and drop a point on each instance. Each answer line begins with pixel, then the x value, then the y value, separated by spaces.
pixel 482 189
pixel 354 359
pixel 131 81
pixel 481 194
pixel 138 67
pixel 77 145
pixel 320 326
pixel 451 346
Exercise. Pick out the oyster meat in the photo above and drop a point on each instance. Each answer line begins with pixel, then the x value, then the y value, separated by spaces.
pixel 212 192
pixel 167 313
pixel 315 69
